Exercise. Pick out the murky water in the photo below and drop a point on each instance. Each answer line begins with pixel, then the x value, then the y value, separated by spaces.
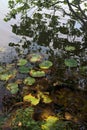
pixel 45 33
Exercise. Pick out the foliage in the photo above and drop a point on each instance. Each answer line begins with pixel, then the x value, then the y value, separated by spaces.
pixel 5 76
pixel 1 69
pixel 13 88
pixel 29 81
pixel 23 119
pixel 34 57
pixel 24 69
pixel 69 48
pixel 50 123
pixel 45 64
pixel 45 96
pixel 33 100
pixel 71 62
pixel 38 73
pixel 22 62
pixel 45 28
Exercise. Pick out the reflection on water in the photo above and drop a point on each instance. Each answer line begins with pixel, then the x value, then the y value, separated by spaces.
pixel 49 34
pixel 6 34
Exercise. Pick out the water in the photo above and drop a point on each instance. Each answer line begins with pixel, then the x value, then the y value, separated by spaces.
pixel 47 34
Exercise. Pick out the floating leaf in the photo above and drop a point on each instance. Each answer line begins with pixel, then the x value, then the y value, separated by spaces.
pixel 34 57
pixel 24 69
pixel 2 69
pixel 9 66
pixel 5 76
pixel 45 64
pixel 35 73
pixel 83 68
pixel 29 81
pixel 13 88
pixel 22 62
pixel 45 97
pixel 71 62
pixel 69 48
pixel 50 123
pixel 33 100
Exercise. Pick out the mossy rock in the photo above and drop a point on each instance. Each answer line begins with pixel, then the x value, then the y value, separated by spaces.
pixel 45 64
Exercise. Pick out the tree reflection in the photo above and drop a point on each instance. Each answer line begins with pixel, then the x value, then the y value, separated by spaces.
pixel 50 26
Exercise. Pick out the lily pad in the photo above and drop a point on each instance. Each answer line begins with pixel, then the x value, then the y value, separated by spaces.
pixel 5 77
pixel 22 62
pixel 29 81
pixel 49 123
pixel 35 73
pixel 24 69
pixel 33 100
pixel 13 88
pixel 83 68
pixel 71 62
pixel 45 96
pixel 69 48
pixel 2 69
pixel 34 57
pixel 45 64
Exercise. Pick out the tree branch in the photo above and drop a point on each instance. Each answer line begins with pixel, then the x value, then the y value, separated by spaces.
pixel 85 16
pixel 76 15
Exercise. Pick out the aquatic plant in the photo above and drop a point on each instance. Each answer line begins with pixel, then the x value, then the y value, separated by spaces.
pixel 30 98
pixel 34 57
pixel 24 69
pixel 22 62
pixel 29 81
pixel 71 62
pixel 45 64
pixel 5 77
pixel 50 123
pixel 13 88
pixel 69 48
pixel 23 119
pixel 45 96
pixel 38 73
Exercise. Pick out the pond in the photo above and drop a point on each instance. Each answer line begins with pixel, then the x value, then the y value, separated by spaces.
pixel 43 71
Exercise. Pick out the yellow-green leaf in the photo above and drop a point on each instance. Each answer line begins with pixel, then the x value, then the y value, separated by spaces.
pixel 33 100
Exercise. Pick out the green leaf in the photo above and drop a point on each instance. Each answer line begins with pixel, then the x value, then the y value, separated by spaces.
pixel 50 123
pixel 29 81
pixel 45 64
pixel 22 62
pixel 34 57
pixel 2 69
pixel 24 69
pixel 46 99
pixel 69 48
pixel 35 73
pixel 13 88
pixel 5 76
pixel 71 62
pixel 33 100
pixel 45 96
pixel 83 68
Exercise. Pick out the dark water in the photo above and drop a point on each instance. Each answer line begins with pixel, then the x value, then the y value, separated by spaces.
pixel 47 34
